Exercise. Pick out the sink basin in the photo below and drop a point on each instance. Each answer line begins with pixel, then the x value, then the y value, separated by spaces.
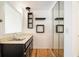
pixel 16 39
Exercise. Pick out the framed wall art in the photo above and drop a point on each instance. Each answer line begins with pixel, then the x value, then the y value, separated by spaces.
pixel 60 28
pixel 30 20
pixel 40 28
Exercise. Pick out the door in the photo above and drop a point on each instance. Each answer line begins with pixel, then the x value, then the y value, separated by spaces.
pixel 58 29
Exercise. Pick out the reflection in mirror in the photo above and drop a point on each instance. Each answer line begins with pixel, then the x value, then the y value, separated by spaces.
pixel 58 29
pixel 13 19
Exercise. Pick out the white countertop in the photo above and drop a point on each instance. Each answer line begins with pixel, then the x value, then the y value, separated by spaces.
pixel 9 40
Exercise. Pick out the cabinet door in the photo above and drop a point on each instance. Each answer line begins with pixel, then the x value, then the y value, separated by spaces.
pixel 0 50
pixel 27 52
pixel 30 49
pixel 13 50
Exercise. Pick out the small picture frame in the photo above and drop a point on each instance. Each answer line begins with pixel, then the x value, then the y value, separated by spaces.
pixel 30 15
pixel 30 26
pixel 59 28
pixel 40 28
pixel 30 20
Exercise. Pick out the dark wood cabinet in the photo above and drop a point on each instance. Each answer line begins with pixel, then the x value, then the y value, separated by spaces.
pixel 18 50
pixel 12 50
pixel 0 50
pixel 29 47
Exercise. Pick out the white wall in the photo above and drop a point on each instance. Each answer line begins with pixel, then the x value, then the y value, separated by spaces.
pixel 71 42
pixel 41 40
pixel 2 24
pixel 75 28
pixel 67 29
pixel 13 19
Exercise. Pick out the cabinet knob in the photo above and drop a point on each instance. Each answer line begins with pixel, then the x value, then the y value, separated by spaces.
pixel 24 53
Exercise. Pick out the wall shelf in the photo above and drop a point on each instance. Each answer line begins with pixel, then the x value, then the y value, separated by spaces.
pixel 39 18
pixel 59 18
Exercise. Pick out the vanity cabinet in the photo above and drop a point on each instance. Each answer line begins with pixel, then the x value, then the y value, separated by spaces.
pixel 18 50
pixel 0 50
pixel 28 48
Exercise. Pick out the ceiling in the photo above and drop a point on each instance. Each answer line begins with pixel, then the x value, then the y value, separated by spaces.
pixel 39 5
pixel 35 5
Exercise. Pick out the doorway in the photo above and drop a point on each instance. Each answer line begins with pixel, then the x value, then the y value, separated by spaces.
pixel 58 29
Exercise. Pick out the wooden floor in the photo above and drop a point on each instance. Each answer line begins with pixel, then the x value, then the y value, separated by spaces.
pixel 58 52
pixel 41 53
pixel 45 53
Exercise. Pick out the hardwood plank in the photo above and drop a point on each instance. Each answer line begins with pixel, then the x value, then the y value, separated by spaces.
pixel 34 53
pixel 58 52
pixel 41 53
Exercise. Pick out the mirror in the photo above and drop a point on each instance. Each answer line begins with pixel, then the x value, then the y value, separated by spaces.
pixel 13 19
